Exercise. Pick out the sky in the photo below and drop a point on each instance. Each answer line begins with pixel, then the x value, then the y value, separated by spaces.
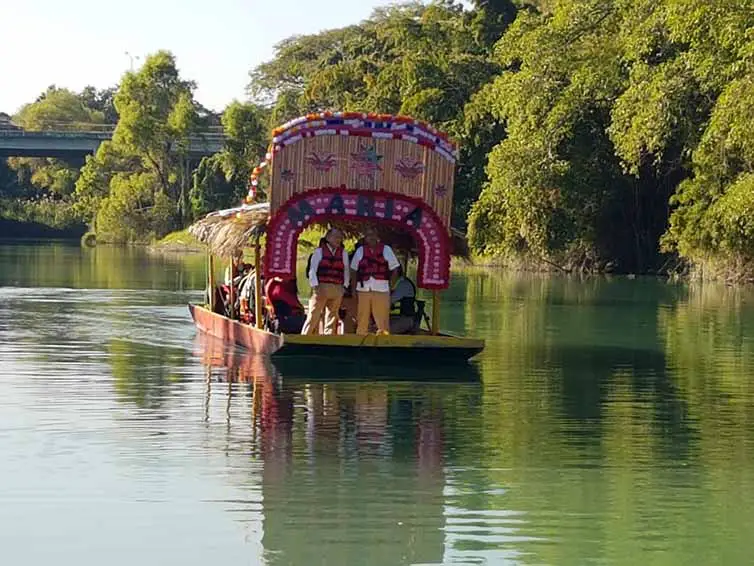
pixel 75 43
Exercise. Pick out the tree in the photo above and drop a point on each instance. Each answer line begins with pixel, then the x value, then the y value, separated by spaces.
pixel 211 189
pixel 607 108
pixel 58 109
pixel 93 184
pixel 137 186
pixel 133 211
pixel 101 101
pixel 422 60
pixel 157 116
pixel 221 180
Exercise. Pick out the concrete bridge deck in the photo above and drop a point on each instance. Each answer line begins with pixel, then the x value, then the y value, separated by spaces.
pixel 15 142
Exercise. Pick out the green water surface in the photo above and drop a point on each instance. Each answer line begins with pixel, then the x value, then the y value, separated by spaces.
pixel 607 422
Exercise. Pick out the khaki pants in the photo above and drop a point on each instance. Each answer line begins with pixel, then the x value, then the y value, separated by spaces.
pixel 376 305
pixel 327 296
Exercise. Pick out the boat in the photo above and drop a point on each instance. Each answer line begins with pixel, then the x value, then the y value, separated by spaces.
pixel 343 169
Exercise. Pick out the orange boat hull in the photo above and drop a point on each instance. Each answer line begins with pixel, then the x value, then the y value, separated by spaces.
pixel 253 339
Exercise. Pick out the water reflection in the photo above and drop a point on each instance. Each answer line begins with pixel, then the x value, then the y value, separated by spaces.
pixel 344 462
pixel 618 411
pixel 68 265
pixel 144 374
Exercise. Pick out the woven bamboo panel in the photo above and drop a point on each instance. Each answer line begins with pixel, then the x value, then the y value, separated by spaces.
pixel 363 163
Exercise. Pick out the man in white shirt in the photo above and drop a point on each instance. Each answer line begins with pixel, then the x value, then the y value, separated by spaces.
pixel 376 265
pixel 328 276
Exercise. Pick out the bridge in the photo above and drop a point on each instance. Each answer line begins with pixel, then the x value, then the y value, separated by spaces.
pixel 16 142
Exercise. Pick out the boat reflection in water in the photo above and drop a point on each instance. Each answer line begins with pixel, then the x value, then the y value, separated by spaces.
pixel 352 471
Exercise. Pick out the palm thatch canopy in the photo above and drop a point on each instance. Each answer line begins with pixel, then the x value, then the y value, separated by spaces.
pixel 227 232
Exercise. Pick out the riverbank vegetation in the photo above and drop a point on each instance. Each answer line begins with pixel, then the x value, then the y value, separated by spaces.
pixel 595 135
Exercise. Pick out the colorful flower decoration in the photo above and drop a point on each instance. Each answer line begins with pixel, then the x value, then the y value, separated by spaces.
pixel 327 204
pixel 377 126
pixel 254 179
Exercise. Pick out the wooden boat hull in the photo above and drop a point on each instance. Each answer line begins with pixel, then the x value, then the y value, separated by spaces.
pixel 253 339
pixel 394 348
pixel 242 366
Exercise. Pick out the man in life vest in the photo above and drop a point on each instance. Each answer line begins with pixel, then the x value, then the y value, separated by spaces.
pixel 328 276
pixel 376 265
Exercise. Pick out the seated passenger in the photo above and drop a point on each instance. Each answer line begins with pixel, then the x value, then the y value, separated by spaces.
pixel 403 318
pixel 234 274
pixel 246 302
pixel 218 301
pixel 237 270
pixel 403 295
pixel 287 314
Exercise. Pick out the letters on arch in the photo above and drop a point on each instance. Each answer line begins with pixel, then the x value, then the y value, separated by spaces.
pixel 333 204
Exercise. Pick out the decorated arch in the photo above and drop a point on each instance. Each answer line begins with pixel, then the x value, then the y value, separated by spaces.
pixel 334 205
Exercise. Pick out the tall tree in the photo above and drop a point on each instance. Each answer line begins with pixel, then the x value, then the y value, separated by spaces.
pixel 157 116
pixel 147 156
pixel 58 109
pixel 101 101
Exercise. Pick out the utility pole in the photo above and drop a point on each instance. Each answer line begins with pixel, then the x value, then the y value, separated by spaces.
pixel 132 57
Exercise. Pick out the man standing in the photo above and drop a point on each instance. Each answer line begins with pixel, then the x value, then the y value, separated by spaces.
pixel 376 265
pixel 328 275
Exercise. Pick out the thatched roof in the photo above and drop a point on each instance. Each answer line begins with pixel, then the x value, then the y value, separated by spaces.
pixel 231 230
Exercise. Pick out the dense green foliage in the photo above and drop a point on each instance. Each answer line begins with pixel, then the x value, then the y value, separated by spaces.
pixel 221 180
pixel 595 134
pixel 614 113
pixel 136 186
pixel 601 134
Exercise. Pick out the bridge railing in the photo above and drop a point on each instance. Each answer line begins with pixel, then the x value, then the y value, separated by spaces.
pixel 103 131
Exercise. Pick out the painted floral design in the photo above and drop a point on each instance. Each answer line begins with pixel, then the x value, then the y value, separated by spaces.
pixel 321 161
pixel 409 168
pixel 366 161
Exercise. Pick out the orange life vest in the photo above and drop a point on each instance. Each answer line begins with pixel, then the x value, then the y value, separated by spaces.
pixel 374 264
pixel 331 268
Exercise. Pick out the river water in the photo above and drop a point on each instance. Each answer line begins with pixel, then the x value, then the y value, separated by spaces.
pixel 607 422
